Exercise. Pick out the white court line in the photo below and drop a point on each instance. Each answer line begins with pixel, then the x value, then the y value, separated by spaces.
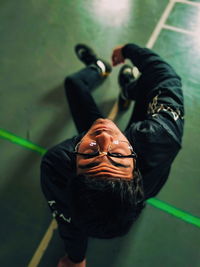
pixel 188 2
pixel 176 29
pixel 160 24
pixel 43 244
pixel 113 113
pixel 48 235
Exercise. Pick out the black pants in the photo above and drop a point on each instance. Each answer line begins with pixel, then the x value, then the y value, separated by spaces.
pixel 78 88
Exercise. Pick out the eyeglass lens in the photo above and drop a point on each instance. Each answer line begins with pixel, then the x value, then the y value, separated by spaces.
pixel 116 147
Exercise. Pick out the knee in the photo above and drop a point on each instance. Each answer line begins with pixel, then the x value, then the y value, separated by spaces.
pixel 69 82
pixel 69 85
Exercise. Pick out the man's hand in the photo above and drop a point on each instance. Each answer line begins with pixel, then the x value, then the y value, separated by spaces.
pixel 66 262
pixel 117 57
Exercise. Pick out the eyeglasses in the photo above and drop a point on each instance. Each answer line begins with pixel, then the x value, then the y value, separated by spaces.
pixel 117 149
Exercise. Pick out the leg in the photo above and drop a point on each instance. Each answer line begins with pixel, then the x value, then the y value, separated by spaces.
pixel 131 84
pixel 78 89
pixel 136 93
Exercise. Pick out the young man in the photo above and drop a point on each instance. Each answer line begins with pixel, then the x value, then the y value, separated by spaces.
pixel 94 183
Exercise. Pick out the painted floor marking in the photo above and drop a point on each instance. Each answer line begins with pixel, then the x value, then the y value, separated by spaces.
pixel 21 141
pixel 113 113
pixel 178 213
pixel 160 24
pixel 188 2
pixel 43 244
pixel 176 29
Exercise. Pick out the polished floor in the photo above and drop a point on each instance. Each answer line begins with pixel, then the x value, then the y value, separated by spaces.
pixel 36 51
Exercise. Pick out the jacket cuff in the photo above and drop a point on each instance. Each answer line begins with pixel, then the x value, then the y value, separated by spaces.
pixel 128 50
pixel 77 260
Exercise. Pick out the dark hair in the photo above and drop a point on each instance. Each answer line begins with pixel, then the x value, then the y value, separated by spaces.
pixel 106 207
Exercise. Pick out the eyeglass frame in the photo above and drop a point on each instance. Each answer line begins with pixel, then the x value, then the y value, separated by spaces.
pixel 132 155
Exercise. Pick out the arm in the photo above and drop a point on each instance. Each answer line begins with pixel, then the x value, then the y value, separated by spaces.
pixel 54 188
pixel 156 127
pixel 153 68
pixel 149 63
pixel 158 90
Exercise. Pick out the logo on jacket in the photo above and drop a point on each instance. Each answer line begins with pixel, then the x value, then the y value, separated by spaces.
pixel 56 214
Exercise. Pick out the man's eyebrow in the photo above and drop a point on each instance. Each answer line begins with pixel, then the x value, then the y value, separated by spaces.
pixel 94 164
pixel 119 164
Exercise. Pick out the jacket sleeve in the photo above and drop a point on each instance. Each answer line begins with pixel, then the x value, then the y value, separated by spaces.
pixel 159 94
pixel 156 126
pixel 153 68
pixel 54 188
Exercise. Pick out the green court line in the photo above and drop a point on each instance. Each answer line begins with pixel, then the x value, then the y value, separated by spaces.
pixel 184 216
pixel 21 141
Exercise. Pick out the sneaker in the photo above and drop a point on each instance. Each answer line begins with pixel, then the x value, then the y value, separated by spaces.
pixel 89 57
pixel 126 76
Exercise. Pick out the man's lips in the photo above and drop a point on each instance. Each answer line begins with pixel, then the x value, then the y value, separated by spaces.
pixel 100 120
pixel 100 129
pixel 102 125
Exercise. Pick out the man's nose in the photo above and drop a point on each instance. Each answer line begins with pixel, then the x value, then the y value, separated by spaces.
pixel 103 140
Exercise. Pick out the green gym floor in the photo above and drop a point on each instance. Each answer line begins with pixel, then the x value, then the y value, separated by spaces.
pixel 36 51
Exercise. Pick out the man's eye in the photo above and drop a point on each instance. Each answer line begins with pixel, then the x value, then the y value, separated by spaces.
pixel 90 155
pixel 116 154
